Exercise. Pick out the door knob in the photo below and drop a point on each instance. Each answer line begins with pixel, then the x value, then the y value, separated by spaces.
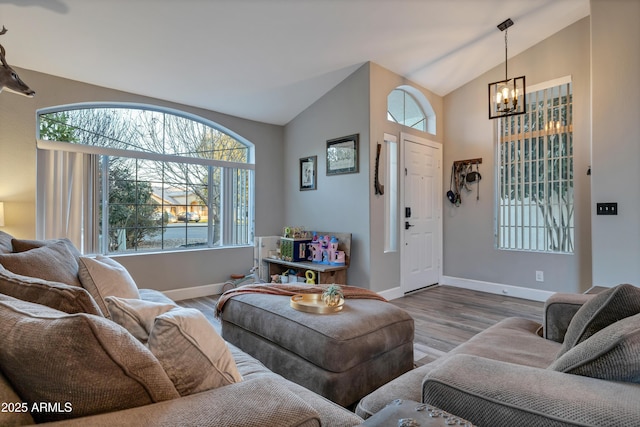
pixel 407 225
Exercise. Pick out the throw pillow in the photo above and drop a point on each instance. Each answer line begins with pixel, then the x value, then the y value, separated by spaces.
pixel 599 312
pixel 70 299
pixel 52 262
pixel 610 354
pixel 191 352
pixel 104 277
pixel 88 364
pixel 5 243
pixel 22 245
pixel 135 315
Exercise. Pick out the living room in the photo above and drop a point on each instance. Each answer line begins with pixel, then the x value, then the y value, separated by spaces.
pixel 584 50
pixel 598 52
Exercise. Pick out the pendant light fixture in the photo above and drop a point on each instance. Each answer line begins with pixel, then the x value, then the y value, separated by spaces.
pixel 507 97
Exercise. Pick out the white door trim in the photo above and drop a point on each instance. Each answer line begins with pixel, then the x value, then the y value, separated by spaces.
pixel 423 141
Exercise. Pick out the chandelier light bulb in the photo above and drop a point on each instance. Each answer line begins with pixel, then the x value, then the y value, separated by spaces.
pixel 505 94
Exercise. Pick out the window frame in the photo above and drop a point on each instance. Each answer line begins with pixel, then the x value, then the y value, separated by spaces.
pixel 227 170
pixel 531 136
pixel 428 115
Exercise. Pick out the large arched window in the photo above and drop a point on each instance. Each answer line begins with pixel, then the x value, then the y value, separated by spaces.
pixel 409 107
pixel 130 178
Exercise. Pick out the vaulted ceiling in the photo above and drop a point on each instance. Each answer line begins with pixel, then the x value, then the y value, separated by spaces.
pixel 268 60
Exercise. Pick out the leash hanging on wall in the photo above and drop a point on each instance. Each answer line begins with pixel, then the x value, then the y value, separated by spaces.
pixel 377 186
pixel 462 176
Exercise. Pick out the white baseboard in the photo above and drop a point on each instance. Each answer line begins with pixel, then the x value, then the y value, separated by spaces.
pixel 497 288
pixel 392 293
pixel 194 292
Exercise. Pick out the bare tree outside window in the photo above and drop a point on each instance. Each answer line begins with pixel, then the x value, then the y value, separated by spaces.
pixel 147 196
pixel 535 175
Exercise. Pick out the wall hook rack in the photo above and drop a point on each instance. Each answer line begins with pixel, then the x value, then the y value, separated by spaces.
pixel 477 161
pixel 462 174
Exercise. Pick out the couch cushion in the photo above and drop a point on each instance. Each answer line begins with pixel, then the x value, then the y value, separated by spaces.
pixel 497 394
pixel 601 311
pixel 154 296
pixel 192 353
pixel 22 245
pixel 70 299
pixel 104 277
pixel 330 413
pixel 52 262
pixel 135 315
pixel 5 243
pixel 190 350
pixel 87 361
pixel 610 354
pixel 13 414
pixel 512 340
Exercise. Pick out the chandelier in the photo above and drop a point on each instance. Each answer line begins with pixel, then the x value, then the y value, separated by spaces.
pixel 507 97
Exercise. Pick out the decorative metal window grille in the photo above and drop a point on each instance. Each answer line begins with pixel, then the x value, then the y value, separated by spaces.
pixel 535 206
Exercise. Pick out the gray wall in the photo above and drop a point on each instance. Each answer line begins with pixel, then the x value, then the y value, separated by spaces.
pixel 469 243
pixel 160 271
pixel 341 202
pixel 615 51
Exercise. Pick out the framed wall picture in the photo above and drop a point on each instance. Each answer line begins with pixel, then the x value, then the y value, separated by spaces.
pixel 308 173
pixel 342 155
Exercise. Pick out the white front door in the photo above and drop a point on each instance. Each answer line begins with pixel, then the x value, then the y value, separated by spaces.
pixel 421 213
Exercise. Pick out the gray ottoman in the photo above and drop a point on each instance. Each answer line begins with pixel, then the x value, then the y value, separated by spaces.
pixel 342 356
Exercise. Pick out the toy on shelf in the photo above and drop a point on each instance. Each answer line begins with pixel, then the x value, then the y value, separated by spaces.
pixel 339 258
pixel 310 276
pixel 324 250
pixel 293 244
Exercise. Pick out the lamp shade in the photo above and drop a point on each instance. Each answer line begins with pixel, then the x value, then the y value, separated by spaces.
pixel 1 214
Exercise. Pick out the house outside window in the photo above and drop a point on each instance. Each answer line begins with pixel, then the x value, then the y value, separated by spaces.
pixel 535 197
pixel 152 179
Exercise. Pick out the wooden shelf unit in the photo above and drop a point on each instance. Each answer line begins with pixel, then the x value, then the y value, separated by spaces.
pixel 325 273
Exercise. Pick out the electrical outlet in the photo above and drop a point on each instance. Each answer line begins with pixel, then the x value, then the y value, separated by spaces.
pixel 539 276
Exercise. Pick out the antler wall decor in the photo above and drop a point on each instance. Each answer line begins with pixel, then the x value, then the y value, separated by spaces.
pixel 9 79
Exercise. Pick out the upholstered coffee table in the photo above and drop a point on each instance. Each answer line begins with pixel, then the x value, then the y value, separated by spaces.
pixel 343 356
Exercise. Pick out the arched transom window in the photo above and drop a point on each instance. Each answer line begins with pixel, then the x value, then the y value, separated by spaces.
pixel 409 107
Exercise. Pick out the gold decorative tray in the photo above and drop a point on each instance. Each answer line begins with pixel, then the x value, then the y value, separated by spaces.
pixel 312 303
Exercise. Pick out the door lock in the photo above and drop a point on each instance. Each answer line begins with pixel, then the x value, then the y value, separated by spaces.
pixel 407 225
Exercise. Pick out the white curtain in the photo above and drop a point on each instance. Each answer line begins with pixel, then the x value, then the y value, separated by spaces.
pixel 66 197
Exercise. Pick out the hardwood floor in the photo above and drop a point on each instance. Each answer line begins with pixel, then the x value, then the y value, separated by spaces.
pixel 444 316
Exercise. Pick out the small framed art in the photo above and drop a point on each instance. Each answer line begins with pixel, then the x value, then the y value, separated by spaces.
pixel 342 155
pixel 308 173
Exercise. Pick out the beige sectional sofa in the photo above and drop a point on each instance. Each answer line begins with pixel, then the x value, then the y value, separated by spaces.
pixel 81 345
pixel 582 368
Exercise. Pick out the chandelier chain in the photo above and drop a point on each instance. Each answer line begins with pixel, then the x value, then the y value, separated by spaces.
pixel 506 74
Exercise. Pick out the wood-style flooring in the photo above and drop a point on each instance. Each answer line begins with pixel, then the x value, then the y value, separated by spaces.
pixel 444 316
